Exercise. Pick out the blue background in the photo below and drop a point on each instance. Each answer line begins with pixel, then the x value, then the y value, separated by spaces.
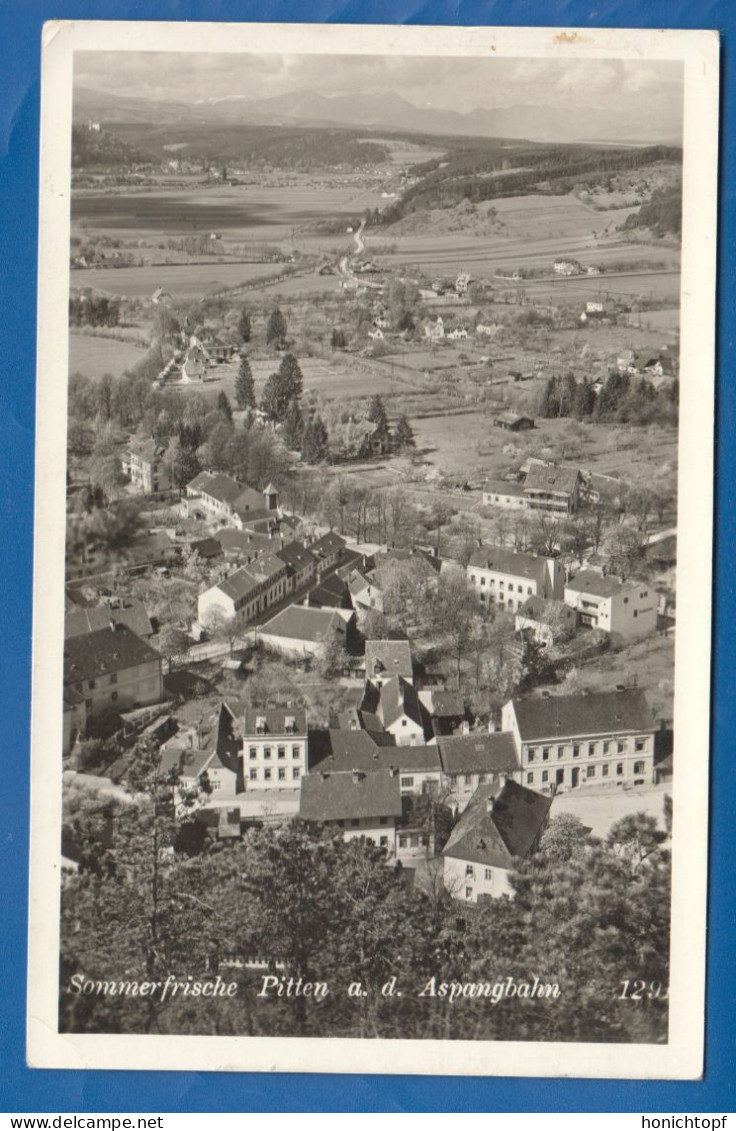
pixel 23 1090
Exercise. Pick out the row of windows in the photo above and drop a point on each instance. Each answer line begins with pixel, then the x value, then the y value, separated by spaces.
pixel 296 752
pixel 470 872
pixel 354 822
pixel 609 747
pixel 502 584
pixel 268 774
pixel 590 772
pixel 92 683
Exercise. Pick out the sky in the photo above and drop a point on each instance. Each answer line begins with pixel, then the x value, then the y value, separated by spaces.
pixel 631 87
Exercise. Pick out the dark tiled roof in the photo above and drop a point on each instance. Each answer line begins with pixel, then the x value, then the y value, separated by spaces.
pixel 503 835
pixel 601 712
pixel 447 704
pixel 502 487
pixel 510 417
pixel 207 548
pixel 94 654
pixel 480 753
pixel 328 544
pixel 239 584
pixel 339 796
pixel 299 623
pixel 398 698
pixel 221 487
pixel 344 750
pixel 133 614
pixel 500 560
pixel 330 593
pixel 589 581
pixel 295 556
pixel 384 658
pixel 560 480
pixel 244 541
pixel 275 719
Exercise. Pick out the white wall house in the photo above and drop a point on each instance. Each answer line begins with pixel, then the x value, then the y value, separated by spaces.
pixel 628 608
pixel 507 579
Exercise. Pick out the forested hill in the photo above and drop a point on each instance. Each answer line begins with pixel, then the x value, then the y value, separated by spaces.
pixel 663 214
pixel 478 173
pixel 93 147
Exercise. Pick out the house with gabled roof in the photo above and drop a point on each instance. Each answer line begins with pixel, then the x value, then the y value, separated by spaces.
pixel 112 668
pixel 244 594
pixel 472 760
pixel 393 708
pixel 220 497
pixel 327 550
pixel 216 762
pixel 301 565
pixel 131 613
pixel 387 658
pixel 356 804
pixel 498 830
pixel 594 738
pixel 505 578
pixel 552 488
pixel 300 631
pixel 340 750
pixel 144 464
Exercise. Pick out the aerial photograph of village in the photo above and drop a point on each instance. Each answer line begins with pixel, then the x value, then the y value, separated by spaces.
pixel 371 549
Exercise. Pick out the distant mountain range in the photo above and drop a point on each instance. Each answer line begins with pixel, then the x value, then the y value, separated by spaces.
pixel 386 111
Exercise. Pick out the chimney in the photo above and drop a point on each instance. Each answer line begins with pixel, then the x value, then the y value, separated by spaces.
pixel 357 777
pixel 393 771
pixel 113 624
pixel 490 802
pixel 465 729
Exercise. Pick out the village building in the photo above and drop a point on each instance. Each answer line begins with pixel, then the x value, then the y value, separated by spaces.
pixel 447 711
pixel 393 708
pixel 80 620
pixel 554 489
pixel 628 608
pixel 462 282
pixel 472 760
pixel 419 767
pixel 245 593
pixel 214 766
pixel 220 497
pixel 144 464
pixel 194 366
pixel 330 593
pixel 244 546
pixel 275 748
pixel 460 334
pixel 567 267
pixel 359 805
pixel 365 593
pixel 512 422
pixel 111 668
pixel 589 739
pixel 435 331
pixel 301 632
pixel 506 579
pixel 488 329
pixel 387 658
pixel 301 565
pixel 497 831
pixel 327 550
pixel 504 493
pixel 547 622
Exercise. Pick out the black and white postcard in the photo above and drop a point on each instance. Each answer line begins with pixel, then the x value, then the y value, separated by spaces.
pixel 374 488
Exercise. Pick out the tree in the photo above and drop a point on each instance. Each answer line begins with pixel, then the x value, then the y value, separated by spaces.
pixel 245 389
pixel 337 339
pixel 292 374
pixel 282 388
pixel 315 440
pixel 182 464
pixel 333 655
pixel 404 434
pixel 276 329
pixel 220 626
pixel 223 406
pixel 624 548
pixel 104 466
pixel 172 642
pixel 244 327
pixel 115 527
pixel 293 428
pixel 377 412
pixel 565 837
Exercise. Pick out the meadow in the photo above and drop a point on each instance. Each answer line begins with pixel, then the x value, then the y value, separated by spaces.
pixel 94 357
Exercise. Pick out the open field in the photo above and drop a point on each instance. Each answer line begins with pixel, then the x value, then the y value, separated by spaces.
pixel 651 662
pixel 94 357
pixel 183 281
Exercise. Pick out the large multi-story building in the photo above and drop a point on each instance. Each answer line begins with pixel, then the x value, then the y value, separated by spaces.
pixel 589 739
pixel 245 593
pixel 275 748
pixel 507 579
pixel 219 497
pixel 355 803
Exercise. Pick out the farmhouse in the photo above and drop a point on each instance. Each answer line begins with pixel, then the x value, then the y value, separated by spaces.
pixel 219 759
pixel 495 833
pixel 568 741
pixel 626 607
pixel 327 550
pixel 393 708
pixel 555 489
pixel 217 496
pixel 567 267
pixel 505 578
pixel 462 282
pixel 112 667
pixel 512 422
pixel 359 804
pixel 130 613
